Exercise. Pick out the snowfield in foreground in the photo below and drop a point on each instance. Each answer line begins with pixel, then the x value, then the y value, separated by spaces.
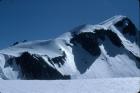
pixel 114 85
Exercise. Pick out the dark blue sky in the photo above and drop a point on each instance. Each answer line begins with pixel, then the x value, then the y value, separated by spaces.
pixel 44 19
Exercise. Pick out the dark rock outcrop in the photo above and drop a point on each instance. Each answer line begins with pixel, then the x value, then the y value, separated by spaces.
pixel 35 67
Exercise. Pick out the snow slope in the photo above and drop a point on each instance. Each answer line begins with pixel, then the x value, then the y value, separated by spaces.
pixel 116 85
pixel 109 49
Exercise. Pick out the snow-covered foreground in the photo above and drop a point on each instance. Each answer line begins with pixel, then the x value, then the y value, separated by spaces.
pixel 115 85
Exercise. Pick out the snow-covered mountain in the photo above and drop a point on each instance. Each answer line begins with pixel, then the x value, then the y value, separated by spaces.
pixel 109 49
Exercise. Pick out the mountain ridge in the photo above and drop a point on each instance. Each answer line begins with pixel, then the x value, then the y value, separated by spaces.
pixel 87 51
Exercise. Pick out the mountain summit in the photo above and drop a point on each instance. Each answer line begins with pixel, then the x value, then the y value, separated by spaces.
pixel 106 50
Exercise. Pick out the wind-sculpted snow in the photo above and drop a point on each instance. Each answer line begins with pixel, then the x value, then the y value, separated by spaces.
pixel 109 49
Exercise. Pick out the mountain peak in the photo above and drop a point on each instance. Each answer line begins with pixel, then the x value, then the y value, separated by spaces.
pixel 103 25
pixel 113 20
pixel 87 51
